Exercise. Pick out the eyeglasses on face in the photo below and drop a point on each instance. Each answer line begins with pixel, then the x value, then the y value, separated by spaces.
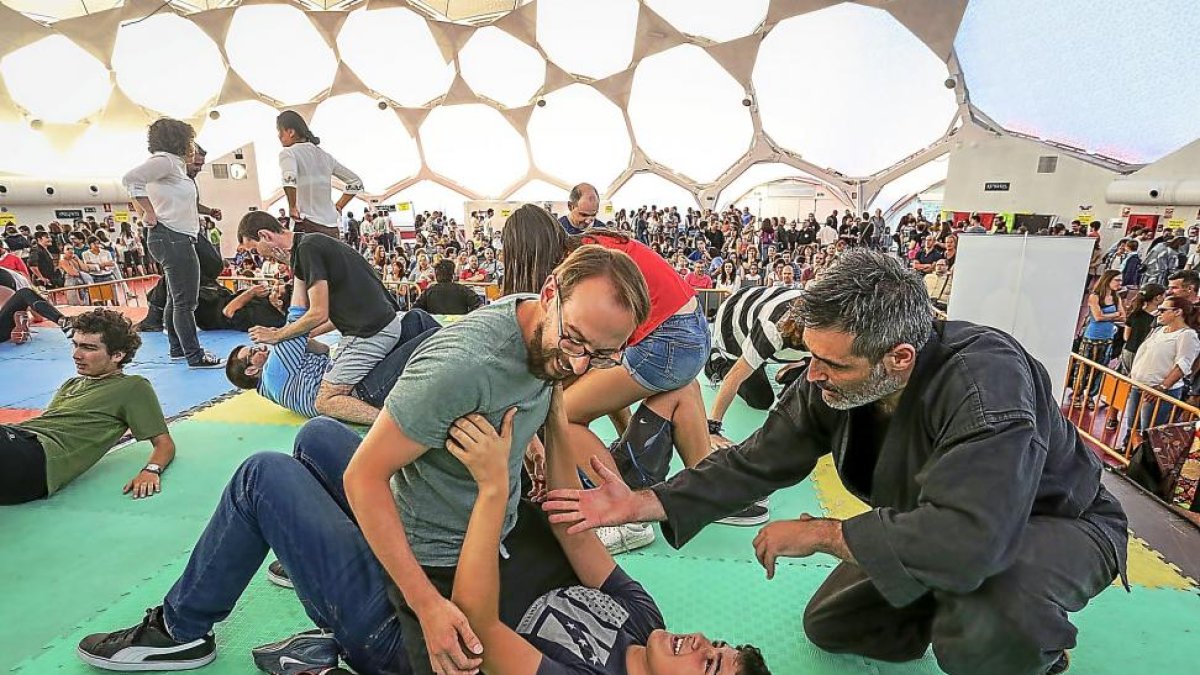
pixel 576 350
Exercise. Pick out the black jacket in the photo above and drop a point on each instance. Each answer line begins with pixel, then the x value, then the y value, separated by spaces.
pixel 976 447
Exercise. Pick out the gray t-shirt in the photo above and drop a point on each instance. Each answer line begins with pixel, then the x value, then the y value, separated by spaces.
pixel 477 364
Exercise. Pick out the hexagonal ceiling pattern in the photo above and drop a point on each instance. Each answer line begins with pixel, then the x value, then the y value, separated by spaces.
pixel 523 98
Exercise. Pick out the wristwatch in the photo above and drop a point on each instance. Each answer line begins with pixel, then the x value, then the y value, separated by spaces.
pixel 715 426
pixel 154 469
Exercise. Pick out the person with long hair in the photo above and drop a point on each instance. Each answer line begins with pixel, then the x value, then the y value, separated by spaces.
pixel 1161 362
pixel 1105 310
pixel 167 201
pixel 1139 321
pixel 307 175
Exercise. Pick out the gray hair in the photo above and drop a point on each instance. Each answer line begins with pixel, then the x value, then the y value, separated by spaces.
pixel 873 297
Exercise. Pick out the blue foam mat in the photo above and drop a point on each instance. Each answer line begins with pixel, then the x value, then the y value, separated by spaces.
pixel 31 373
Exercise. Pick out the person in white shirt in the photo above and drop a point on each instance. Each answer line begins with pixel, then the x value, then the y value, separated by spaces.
pixel 307 175
pixel 166 199
pixel 827 235
pixel 1162 361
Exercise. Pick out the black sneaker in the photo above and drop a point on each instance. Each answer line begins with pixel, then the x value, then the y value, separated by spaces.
pixel 146 646
pixel 312 651
pixel 1062 665
pixel 279 576
pixel 207 361
pixel 144 327
pixel 755 514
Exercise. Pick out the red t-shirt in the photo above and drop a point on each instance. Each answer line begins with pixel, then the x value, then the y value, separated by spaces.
pixel 668 291
pixel 698 280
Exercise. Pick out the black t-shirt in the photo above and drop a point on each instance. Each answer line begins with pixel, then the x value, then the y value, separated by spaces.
pixel 448 298
pixel 358 303
pixel 42 259
pixel 583 630
pixel 927 256
pixel 1140 324
pixel 7 280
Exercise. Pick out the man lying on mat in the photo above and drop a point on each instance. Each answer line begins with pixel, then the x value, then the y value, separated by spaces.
pixel 289 373
pixel 988 523
pixel 86 417
pixel 607 624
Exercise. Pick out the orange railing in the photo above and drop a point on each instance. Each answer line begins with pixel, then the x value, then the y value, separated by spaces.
pixel 1103 418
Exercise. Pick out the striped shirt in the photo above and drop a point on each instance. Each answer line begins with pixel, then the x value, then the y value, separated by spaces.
pixel 747 325
pixel 292 374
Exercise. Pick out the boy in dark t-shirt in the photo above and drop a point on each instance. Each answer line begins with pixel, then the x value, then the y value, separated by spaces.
pixel 608 625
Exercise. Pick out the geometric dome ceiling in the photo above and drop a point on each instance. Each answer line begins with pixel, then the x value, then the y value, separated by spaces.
pixel 494 98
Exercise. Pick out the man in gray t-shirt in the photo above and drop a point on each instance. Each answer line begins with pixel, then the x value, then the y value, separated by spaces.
pixel 412 499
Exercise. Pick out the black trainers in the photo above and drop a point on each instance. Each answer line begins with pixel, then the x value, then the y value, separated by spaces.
pixel 279 576
pixel 312 651
pixel 144 327
pixel 146 646
pixel 1062 665
pixel 755 514
pixel 207 361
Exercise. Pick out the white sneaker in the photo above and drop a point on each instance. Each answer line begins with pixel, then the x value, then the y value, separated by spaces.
pixel 625 538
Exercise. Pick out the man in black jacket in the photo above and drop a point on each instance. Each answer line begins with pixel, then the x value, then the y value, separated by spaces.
pixel 988 521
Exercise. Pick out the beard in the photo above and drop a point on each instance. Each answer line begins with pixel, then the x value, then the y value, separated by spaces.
pixel 877 385
pixel 540 360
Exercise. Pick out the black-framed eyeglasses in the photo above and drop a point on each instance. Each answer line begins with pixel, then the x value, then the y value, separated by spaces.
pixel 575 350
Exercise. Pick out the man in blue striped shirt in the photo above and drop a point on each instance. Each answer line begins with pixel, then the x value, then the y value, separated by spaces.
pixel 290 373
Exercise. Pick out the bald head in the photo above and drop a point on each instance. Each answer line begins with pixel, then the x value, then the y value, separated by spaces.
pixel 584 203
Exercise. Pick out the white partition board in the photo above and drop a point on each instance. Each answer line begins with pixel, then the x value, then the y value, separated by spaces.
pixel 1028 287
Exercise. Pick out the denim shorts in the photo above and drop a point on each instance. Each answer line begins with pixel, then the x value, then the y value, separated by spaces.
pixel 672 355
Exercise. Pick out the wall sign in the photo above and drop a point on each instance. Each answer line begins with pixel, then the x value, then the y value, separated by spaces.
pixel 996 187
pixel 68 214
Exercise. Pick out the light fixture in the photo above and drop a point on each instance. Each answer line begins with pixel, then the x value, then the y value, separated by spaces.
pixel 950 83
pixel 214 115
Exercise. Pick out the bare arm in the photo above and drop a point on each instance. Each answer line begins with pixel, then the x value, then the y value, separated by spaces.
pixel 145 483
pixel 317 314
pixel 384 451
pixel 242 299
pixel 733 379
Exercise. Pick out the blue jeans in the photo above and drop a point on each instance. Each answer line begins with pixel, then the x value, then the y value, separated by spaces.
pixel 1146 411
pixel 295 506
pixel 673 354
pixel 415 326
pixel 176 252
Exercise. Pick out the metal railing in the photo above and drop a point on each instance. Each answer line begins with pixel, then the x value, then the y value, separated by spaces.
pixel 1096 388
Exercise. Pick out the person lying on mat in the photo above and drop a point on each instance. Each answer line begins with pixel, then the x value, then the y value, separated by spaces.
pixel 989 522
pixel 87 416
pixel 606 624
pixel 17 298
pixel 289 373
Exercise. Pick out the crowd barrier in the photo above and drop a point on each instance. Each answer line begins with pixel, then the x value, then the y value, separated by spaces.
pixel 1103 417
pixel 102 292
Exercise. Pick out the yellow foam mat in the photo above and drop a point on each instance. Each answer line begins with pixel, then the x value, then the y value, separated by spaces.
pixel 249 408
pixel 1146 566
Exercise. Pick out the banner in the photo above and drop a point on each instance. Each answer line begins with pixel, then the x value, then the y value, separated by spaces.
pixel 120 216
pixel 7 219
pixel 404 220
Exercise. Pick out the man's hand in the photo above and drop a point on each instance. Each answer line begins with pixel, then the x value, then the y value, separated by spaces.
pixel 798 538
pixel 264 335
pixel 718 442
pixel 144 484
pixel 446 630
pixel 613 503
pixel 258 291
pixel 215 214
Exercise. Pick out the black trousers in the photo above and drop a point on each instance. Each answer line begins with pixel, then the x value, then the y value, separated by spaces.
pixel 756 391
pixel 1015 623
pixel 22 466
pixel 24 299
pixel 415 327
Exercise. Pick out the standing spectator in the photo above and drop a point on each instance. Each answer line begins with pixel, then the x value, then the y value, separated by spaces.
pixel 583 203
pixel 1163 259
pixel 828 233
pixel 42 262
pixel 1140 321
pixel 1161 362
pixel 1105 310
pixel 307 175
pixel 74 275
pixel 938 283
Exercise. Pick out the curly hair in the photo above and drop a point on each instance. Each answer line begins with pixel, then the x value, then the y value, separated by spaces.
pixel 750 661
pixel 115 331
pixel 173 136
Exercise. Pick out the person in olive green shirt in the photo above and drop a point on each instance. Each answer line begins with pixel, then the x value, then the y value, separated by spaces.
pixel 86 417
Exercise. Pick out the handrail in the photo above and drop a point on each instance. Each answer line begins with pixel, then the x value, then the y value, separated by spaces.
pixel 1082 376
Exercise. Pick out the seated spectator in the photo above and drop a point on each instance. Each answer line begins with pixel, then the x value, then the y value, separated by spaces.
pixel 938 284
pixel 752 277
pixel 607 608
pixel 698 278
pixel 86 417
pixel 787 277
pixel 491 266
pixel 446 296
pixel 471 271
pixel 289 373
pixel 98 261
pixel 74 274
pixel 10 261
